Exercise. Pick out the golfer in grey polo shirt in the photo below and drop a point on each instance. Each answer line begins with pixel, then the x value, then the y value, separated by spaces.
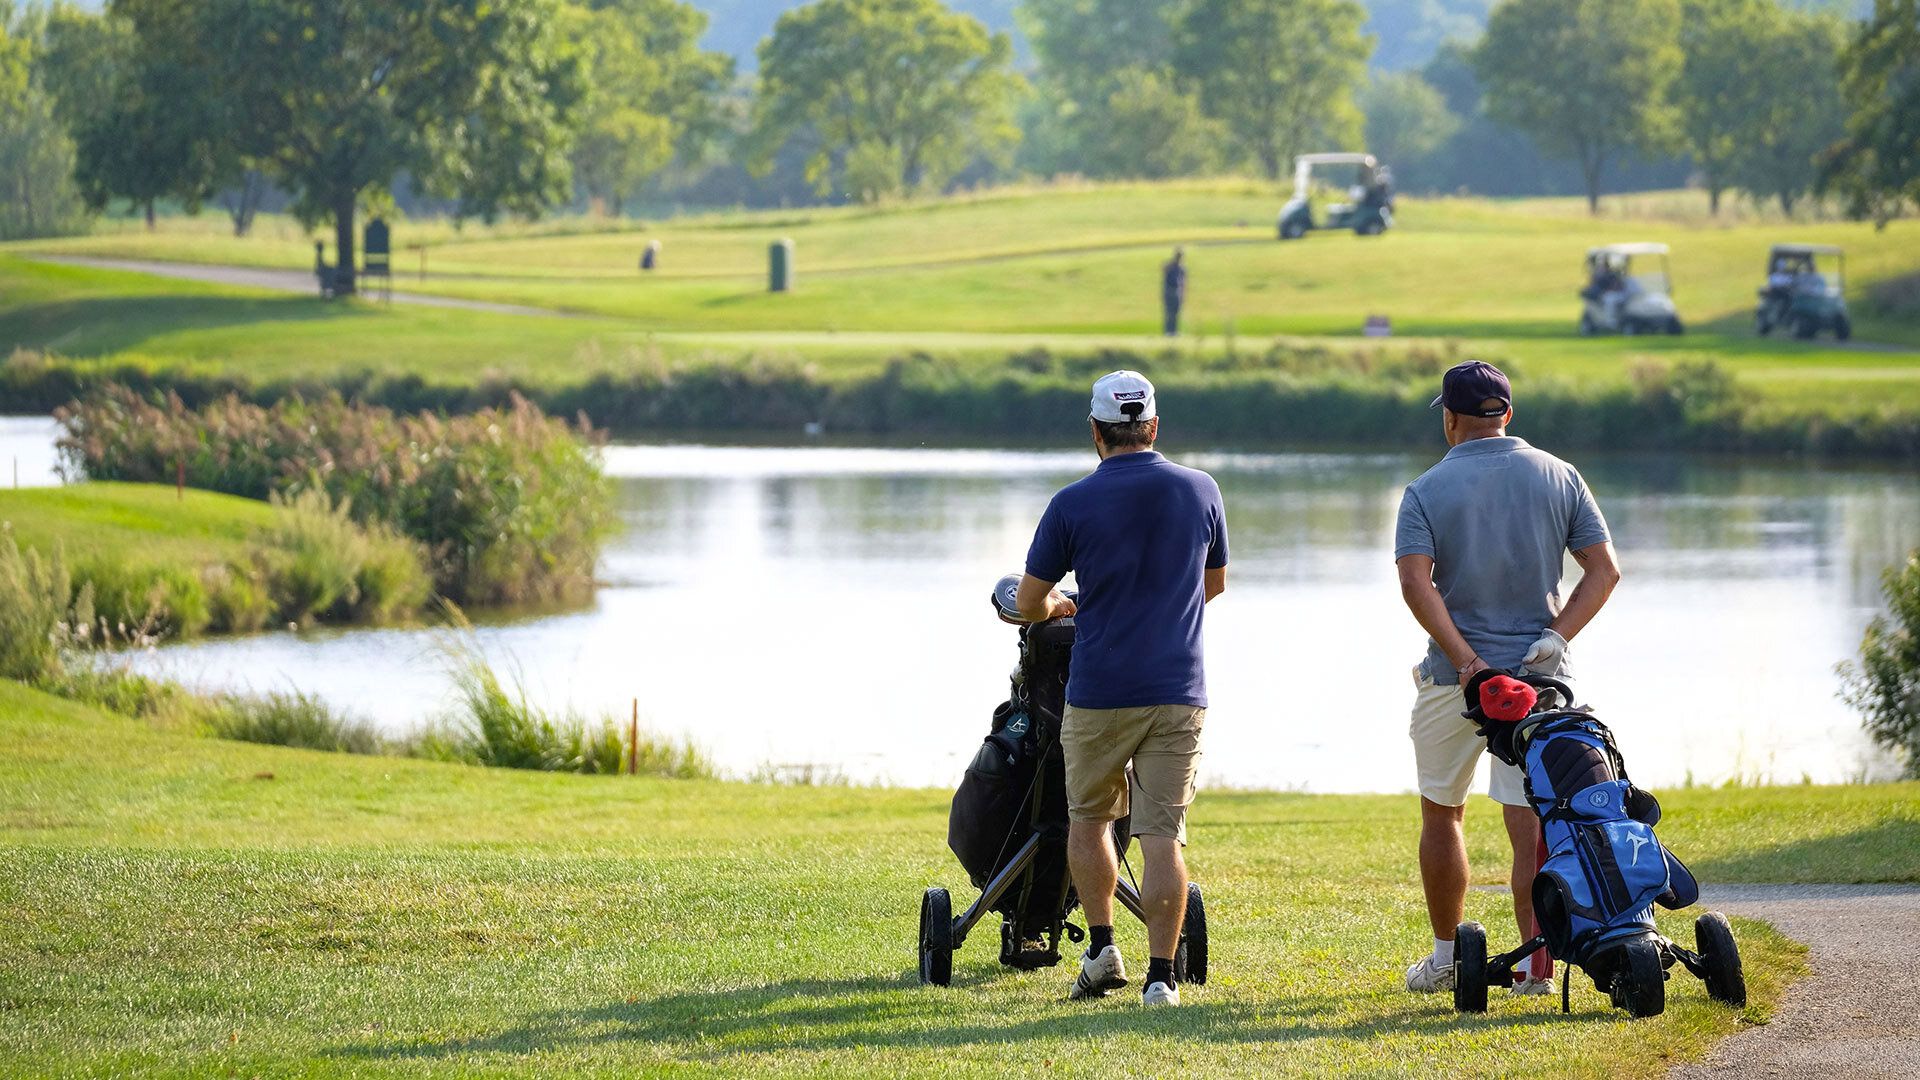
pixel 1481 544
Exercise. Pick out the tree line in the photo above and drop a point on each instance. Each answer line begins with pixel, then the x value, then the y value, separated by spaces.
pixel 479 108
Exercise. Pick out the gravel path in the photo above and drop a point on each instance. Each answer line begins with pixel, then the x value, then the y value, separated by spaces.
pixel 1858 1013
pixel 298 281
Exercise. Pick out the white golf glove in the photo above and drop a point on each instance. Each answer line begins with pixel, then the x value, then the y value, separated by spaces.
pixel 1545 656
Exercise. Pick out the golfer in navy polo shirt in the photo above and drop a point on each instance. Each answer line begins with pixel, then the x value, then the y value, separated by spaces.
pixel 1147 541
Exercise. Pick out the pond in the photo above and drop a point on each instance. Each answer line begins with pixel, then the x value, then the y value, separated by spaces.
pixel 827 608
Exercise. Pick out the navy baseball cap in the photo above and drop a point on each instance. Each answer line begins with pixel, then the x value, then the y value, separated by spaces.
pixel 1467 385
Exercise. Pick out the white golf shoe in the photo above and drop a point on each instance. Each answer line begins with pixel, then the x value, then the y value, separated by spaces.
pixel 1160 994
pixel 1099 975
pixel 1428 977
pixel 1532 987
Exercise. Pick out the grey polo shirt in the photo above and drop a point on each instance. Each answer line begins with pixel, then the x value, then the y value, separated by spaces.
pixel 1497 518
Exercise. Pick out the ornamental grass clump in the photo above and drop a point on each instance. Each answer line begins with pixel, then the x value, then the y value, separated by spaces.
pixel 509 503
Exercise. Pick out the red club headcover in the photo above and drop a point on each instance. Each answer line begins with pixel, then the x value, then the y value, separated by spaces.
pixel 1508 699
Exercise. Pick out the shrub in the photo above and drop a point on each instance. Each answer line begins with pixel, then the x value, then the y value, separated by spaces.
pixel 292 719
pixel 1885 685
pixel 36 600
pixel 509 503
pixel 135 599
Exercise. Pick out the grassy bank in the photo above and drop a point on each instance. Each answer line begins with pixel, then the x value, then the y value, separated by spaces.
pixel 155 562
pixel 180 905
pixel 1083 259
pixel 980 315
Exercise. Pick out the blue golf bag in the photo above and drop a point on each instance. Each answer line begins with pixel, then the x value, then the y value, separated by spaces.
pixel 1603 868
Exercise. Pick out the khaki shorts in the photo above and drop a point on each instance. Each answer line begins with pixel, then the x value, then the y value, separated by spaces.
pixel 1446 749
pixel 1162 741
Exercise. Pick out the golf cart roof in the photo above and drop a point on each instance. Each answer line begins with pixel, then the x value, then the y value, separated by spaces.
pixel 1333 159
pixel 1628 249
pixel 1807 249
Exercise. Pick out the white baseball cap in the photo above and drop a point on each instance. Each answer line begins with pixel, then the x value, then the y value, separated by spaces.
pixel 1115 392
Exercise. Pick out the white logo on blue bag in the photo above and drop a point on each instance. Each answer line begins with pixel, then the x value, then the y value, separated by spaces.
pixel 1638 842
pixel 1598 798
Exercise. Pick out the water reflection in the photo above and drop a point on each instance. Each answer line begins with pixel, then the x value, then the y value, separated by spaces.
pixel 829 606
pixel 27 457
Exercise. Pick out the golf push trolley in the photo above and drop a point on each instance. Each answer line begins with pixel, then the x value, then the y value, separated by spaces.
pixel 1601 868
pixel 1008 826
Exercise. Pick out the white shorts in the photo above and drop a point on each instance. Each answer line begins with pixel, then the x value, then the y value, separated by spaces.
pixel 1446 749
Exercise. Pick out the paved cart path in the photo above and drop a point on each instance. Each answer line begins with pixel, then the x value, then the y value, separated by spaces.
pixel 1858 1013
pixel 298 281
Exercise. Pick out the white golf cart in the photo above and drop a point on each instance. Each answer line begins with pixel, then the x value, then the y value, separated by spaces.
pixel 1370 212
pixel 1629 290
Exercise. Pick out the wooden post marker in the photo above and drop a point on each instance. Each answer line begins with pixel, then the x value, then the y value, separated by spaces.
pixel 633 741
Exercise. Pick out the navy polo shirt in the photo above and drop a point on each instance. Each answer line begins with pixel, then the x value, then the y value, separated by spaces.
pixel 1139 533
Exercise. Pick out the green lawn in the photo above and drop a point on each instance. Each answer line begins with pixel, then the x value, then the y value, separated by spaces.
pixel 974 278
pixel 177 905
pixel 147 524
pixel 1085 260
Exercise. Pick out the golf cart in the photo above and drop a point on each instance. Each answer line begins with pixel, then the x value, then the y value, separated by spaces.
pixel 1619 300
pixel 1800 297
pixel 1370 212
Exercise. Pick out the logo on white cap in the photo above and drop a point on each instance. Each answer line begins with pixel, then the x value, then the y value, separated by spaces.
pixel 1122 396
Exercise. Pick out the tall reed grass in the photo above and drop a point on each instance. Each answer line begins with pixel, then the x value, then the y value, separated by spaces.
pixel 508 503
pixel 493 723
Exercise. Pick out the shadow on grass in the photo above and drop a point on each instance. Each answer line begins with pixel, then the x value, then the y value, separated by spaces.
pixel 815 1014
pixel 104 325
pixel 1882 852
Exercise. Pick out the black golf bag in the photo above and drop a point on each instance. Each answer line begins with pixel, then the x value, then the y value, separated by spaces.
pixel 1008 825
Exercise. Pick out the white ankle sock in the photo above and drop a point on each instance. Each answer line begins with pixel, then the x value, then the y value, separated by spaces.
pixel 1442 952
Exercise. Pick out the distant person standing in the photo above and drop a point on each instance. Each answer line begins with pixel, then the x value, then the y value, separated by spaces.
pixel 1173 290
pixel 1481 543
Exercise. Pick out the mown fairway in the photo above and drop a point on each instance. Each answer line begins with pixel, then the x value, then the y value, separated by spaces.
pixel 177 905
pixel 975 279
pixel 1086 261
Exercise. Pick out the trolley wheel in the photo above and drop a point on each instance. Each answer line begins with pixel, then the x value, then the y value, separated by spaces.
pixel 1190 959
pixel 936 937
pixel 1842 328
pixel 1675 326
pixel 1641 980
pixel 1762 326
pixel 1720 956
pixel 1588 327
pixel 1470 968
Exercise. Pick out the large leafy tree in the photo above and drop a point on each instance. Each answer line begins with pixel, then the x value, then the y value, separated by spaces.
pixel 1782 136
pixel 1279 74
pixel 1719 86
pixel 1588 81
pixel 146 123
pixel 1407 119
pixel 900 93
pixel 653 93
pixel 37 197
pixel 1109 102
pixel 473 99
pixel 1877 165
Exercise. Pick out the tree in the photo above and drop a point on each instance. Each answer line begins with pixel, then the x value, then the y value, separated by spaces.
pixel 1109 102
pixel 652 92
pixel 1877 165
pixel 1719 86
pixel 1407 119
pixel 146 126
pixel 1587 80
pixel 1782 136
pixel 1885 685
pixel 471 99
pixel 1279 74
pixel 37 197
pixel 902 93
